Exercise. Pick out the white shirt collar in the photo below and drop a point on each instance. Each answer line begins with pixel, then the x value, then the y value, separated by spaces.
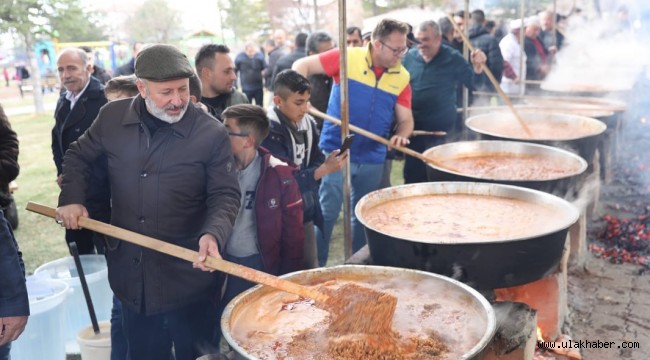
pixel 72 98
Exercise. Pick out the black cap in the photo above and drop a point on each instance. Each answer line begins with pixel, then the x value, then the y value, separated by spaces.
pixel 162 62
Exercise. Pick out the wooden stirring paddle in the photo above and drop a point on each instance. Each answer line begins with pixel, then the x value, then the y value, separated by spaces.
pixel 382 140
pixel 365 305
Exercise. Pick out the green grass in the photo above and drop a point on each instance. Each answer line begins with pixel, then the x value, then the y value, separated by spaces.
pixel 11 96
pixel 40 239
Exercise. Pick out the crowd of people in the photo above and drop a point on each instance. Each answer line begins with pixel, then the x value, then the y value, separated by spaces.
pixel 187 154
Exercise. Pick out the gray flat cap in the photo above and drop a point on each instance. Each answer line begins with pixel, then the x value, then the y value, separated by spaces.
pixel 162 62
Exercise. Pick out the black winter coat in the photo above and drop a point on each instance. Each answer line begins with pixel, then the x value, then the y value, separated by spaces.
pixel 279 143
pixel 8 158
pixel 481 39
pixel 68 126
pixel 533 59
pixel 101 74
pixel 174 185
pixel 286 62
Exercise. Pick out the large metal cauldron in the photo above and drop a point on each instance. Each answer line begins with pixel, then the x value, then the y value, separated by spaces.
pixel 548 106
pixel 464 149
pixel 482 265
pixel 600 103
pixel 442 288
pixel 603 109
pixel 499 126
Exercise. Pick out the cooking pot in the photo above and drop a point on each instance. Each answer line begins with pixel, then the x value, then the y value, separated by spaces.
pixel 578 102
pixel 504 126
pixel 586 88
pixel 483 265
pixel 545 105
pixel 604 109
pixel 472 305
pixel 558 185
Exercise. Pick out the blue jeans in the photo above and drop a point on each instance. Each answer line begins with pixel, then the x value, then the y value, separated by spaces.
pixel 5 351
pixel 365 178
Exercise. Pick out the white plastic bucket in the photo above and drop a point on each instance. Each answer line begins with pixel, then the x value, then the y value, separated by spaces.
pixel 95 346
pixel 75 308
pixel 43 337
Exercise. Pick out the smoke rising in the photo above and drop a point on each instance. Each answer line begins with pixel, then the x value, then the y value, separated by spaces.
pixel 601 54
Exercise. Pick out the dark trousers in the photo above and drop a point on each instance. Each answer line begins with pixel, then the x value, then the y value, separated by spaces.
pixel 86 241
pixel 119 348
pixel 189 329
pixel 5 352
pixel 257 95
pixel 415 170
pixel 235 285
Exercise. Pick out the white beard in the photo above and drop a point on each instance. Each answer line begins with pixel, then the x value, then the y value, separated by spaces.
pixel 161 114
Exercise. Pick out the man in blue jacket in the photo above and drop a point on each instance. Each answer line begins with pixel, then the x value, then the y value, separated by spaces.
pixel 381 89
pixel 14 303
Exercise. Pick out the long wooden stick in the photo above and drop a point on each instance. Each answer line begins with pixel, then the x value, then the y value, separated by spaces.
pixel 493 80
pixel 429 133
pixel 187 254
pixel 382 140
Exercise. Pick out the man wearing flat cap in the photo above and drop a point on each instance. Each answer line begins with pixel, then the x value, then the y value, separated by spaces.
pixel 173 178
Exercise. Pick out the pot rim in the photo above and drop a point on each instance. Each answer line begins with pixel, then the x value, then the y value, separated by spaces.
pixel 572 212
pixel 485 305
pixel 547 150
pixel 565 88
pixel 614 105
pixel 568 108
pixel 599 126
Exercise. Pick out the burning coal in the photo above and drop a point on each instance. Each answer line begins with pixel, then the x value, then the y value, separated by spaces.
pixel 625 240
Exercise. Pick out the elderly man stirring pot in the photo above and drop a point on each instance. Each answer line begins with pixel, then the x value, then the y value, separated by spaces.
pixel 172 177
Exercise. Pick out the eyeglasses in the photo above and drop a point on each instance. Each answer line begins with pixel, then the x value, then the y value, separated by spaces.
pixel 396 52
pixel 242 134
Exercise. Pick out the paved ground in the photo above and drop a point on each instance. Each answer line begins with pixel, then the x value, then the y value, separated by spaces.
pixel 611 302
pixel 14 104
pixel 28 109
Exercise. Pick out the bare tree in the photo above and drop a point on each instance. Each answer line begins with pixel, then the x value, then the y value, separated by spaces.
pixel 30 19
pixel 244 17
